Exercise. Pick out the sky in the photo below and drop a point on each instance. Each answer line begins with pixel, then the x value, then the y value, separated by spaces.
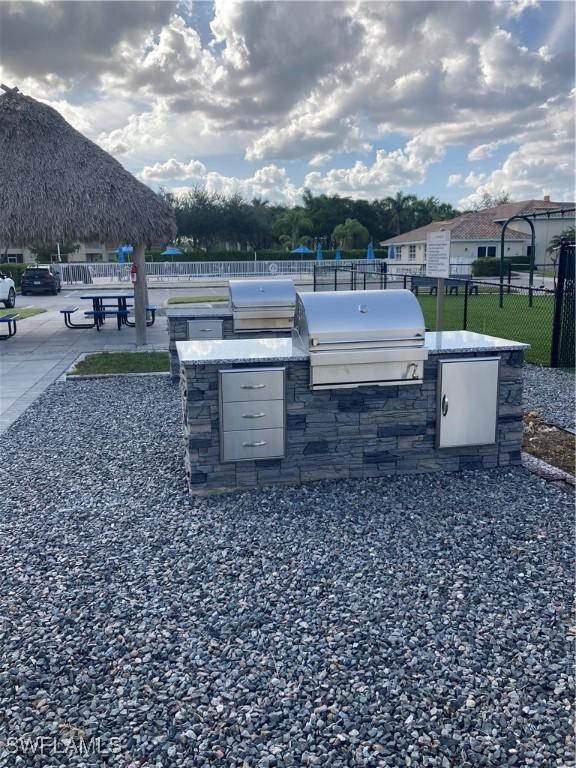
pixel 362 99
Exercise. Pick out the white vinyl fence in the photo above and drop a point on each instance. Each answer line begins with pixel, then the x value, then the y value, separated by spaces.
pixel 183 271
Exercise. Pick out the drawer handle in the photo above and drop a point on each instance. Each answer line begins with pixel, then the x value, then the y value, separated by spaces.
pixel 253 415
pixel 412 371
pixel 444 405
pixel 255 444
pixel 206 330
pixel 253 386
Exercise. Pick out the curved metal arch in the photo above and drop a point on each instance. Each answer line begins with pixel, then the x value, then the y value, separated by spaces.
pixel 532 255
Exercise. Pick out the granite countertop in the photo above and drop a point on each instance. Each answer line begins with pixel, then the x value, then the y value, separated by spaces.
pixel 468 341
pixel 228 351
pixel 194 311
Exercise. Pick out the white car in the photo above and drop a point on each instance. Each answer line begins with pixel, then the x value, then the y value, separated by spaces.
pixel 7 291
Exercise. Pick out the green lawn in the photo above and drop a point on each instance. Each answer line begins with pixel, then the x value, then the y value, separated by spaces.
pixel 28 312
pixel 123 362
pixel 196 299
pixel 516 320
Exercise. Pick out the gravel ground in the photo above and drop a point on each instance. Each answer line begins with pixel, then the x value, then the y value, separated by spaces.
pixel 551 393
pixel 391 623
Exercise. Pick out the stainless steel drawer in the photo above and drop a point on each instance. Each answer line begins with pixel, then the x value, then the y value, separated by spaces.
pixel 253 444
pixel 252 384
pixel 261 414
pixel 204 329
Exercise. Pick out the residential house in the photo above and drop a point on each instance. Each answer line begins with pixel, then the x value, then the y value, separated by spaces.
pixel 472 236
pixel 87 252
pixel 477 235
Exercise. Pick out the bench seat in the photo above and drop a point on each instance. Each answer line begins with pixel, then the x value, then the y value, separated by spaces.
pixel 10 321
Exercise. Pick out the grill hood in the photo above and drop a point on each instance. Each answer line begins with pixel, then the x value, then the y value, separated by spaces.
pixel 364 318
pixel 361 337
pixel 262 305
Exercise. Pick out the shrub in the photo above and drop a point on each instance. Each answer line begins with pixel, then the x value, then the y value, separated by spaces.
pixel 488 267
pixel 14 271
pixel 520 263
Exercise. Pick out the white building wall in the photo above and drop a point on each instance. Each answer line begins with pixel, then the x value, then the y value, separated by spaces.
pixel 461 253
pixel 544 231
pixel 18 255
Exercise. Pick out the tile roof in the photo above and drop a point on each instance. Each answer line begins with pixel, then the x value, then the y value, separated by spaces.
pixel 469 226
pixel 504 211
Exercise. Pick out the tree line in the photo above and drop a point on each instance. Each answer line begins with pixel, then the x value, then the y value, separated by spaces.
pixel 210 220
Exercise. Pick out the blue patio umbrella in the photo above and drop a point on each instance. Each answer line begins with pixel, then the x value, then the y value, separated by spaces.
pixel 171 251
pixel 301 249
pixel 319 254
pixel 122 251
pixel 337 255
pixel 370 251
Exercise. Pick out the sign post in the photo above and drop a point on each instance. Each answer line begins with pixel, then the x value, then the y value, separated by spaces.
pixel 438 266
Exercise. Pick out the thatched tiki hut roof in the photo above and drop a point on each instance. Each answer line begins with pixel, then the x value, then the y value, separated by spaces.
pixel 58 186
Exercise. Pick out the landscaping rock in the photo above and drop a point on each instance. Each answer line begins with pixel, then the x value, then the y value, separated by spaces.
pixel 416 621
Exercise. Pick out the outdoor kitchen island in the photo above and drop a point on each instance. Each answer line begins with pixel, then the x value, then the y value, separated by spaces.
pixel 251 416
pixel 263 308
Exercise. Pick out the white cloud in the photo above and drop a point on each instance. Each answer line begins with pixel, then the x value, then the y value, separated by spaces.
pixel 390 172
pixel 268 183
pixel 173 169
pixel 455 179
pixel 482 151
pixel 543 164
pixel 320 159
pixel 303 81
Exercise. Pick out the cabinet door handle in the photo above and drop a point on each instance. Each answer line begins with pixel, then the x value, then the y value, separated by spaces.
pixel 444 405
pixel 206 330
pixel 253 386
pixel 253 415
pixel 255 444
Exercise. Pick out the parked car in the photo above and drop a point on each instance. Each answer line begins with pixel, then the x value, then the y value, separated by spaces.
pixel 7 291
pixel 40 279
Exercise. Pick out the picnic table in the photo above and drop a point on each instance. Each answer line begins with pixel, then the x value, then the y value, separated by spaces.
pixel 106 305
pixel 101 308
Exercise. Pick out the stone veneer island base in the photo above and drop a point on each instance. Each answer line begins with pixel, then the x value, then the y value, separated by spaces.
pixel 361 432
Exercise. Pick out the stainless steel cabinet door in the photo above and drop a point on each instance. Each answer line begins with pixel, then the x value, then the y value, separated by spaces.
pixel 468 402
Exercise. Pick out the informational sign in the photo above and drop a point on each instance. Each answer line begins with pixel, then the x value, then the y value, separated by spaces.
pixel 438 253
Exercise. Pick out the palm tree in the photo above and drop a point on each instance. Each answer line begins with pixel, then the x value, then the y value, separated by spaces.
pixel 351 234
pixel 568 234
pixel 293 223
pixel 399 206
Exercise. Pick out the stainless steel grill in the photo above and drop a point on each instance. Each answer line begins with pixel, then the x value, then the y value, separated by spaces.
pixel 361 337
pixel 262 305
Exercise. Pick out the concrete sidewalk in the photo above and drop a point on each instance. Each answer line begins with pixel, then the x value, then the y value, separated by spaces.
pixel 43 349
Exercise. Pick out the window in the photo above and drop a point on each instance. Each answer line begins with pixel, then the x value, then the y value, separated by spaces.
pixel 412 253
pixel 14 258
pixel 93 257
pixel 491 251
pixel 481 251
pixel 398 251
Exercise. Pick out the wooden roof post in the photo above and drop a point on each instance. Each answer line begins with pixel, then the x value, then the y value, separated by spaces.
pixel 140 295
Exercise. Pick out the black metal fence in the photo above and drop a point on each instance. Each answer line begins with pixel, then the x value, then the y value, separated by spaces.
pixel 562 355
pixel 527 313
